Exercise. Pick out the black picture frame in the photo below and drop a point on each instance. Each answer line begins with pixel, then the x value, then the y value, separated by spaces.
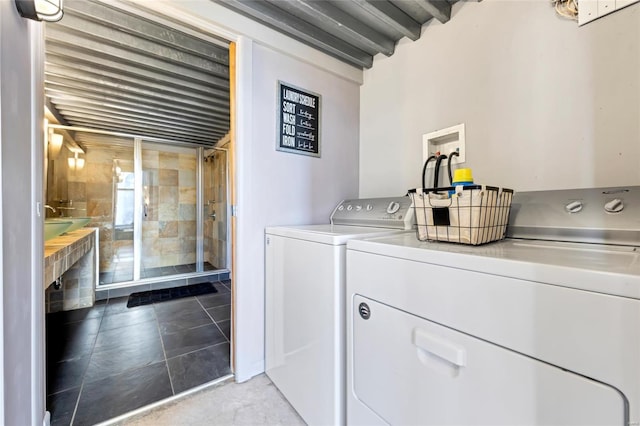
pixel 298 123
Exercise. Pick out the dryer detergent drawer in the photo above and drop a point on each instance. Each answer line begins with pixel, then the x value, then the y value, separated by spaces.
pixel 412 371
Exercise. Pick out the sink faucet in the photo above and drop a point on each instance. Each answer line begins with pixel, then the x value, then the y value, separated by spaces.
pixel 47 206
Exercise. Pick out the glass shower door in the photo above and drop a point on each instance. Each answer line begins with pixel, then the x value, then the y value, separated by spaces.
pixel 169 226
pixel 103 190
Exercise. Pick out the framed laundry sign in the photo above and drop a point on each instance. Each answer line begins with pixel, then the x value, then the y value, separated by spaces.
pixel 298 120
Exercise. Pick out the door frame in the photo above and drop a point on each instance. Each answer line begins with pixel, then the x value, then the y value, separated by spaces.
pixel 240 57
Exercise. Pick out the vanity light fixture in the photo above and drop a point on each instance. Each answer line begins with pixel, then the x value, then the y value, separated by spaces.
pixel 75 163
pixel 40 10
pixel 55 143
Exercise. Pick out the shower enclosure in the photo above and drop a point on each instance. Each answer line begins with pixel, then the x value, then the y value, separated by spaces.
pixel 143 195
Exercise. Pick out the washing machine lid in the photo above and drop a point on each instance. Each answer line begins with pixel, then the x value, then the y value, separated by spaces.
pixel 613 270
pixel 330 234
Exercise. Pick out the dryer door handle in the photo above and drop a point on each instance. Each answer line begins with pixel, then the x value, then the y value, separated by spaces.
pixel 440 347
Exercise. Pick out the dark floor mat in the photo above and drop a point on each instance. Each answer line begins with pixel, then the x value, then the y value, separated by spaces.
pixel 163 295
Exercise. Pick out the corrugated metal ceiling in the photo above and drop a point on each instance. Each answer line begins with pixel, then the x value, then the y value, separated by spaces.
pixel 111 68
pixel 350 30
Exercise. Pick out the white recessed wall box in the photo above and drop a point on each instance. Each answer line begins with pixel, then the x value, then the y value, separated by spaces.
pixel 588 10
pixel 444 141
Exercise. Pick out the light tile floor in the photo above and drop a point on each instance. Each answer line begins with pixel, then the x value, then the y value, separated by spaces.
pixel 254 402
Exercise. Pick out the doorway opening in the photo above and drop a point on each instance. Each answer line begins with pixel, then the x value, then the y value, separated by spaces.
pixel 143 108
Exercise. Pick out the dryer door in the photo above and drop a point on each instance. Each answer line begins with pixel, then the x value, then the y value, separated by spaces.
pixel 412 371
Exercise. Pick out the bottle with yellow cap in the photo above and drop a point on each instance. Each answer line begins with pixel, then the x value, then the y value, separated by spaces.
pixel 462 177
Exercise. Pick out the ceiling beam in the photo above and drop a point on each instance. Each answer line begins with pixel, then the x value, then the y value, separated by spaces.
pixel 391 16
pixel 301 30
pixel 119 139
pixel 119 55
pixel 439 9
pixel 106 36
pixel 84 73
pixel 137 101
pixel 127 22
pixel 161 121
pixel 127 92
pixel 169 128
pixel 63 55
pixel 56 92
pixel 56 114
pixel 142 132
pixel 81 102
pixel 341 24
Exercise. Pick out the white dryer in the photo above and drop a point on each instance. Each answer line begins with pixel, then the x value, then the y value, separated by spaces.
pixel 305 302
pixel 542 328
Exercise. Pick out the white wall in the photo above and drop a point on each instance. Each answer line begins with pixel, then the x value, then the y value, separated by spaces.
pixel 546 104
pixel 21 142
pixel 279 188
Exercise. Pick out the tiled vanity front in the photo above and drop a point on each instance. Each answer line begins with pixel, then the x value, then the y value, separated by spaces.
pixel 74 257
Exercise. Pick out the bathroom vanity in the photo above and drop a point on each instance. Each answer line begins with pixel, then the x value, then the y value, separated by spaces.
pixel 71 270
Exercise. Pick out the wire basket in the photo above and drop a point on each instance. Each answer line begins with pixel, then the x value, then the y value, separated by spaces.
pixel 473 214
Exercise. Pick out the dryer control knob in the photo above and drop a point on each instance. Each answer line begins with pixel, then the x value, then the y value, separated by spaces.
pixel 573 207
pixel 349 207
pixel 358 208
pixel 614 206
pixel 341 207
pixel 369 207
pixel 393 207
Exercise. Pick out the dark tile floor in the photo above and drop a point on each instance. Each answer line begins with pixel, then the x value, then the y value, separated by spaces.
pixel 109 359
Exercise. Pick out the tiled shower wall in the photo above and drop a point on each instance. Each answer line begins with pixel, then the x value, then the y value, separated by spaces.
pixel 169 226
pixel 215 200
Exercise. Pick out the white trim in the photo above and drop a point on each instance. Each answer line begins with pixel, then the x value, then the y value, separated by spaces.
pixel 162 279
pixel 200 210
pixel 96 278
pixel 223 22
pixel 242 328
pixel 2 345
pixel 38 361
pixel 137 207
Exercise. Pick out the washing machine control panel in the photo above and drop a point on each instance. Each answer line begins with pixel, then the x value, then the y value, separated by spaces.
pixel 389 212
pixel 587 215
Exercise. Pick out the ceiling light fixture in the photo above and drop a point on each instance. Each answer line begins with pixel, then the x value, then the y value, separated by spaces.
pixel 40 10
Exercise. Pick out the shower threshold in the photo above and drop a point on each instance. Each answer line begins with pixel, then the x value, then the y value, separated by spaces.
pixel 107 291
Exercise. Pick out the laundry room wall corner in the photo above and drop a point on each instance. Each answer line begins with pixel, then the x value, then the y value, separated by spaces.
pixel 280 188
